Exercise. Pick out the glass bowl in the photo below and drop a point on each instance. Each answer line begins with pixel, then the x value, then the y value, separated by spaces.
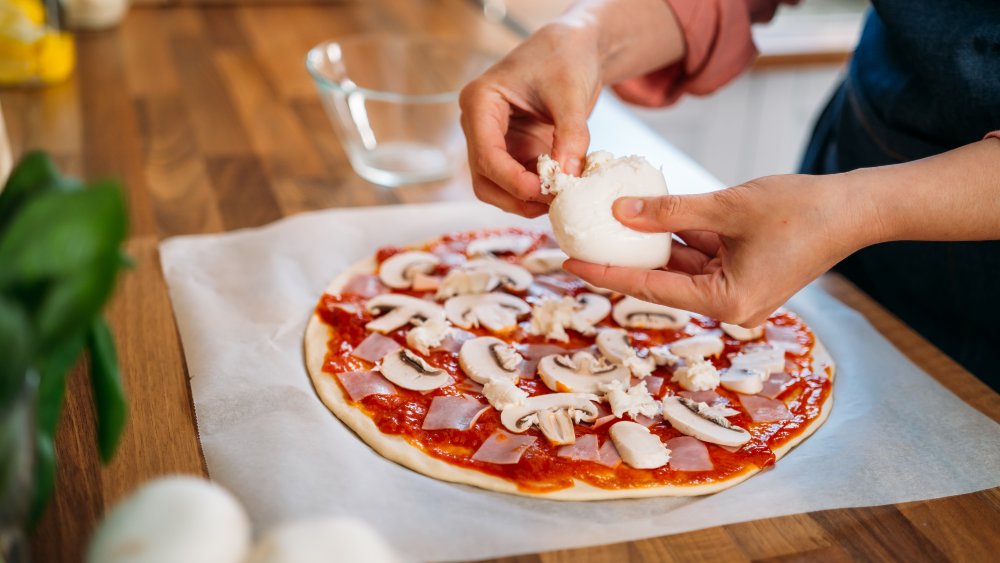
pixel 393 101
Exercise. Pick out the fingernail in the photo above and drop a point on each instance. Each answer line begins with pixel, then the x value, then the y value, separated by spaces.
pixel 629 207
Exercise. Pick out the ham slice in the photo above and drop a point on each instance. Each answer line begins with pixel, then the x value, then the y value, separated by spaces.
pixel 647 421
pixel 470 386
pixel 360 384
pixel 423 282
pixel 762 409
pixel 707 397
pixel 654 384
pixel 585 449
pixel 604 420
pixel 375 347
pixel 689 454
pixel 503 448
pixel 775 385
pixel 364 285
pixel 786 338
pixel 608 455
pixel 532 353
pixel 456 413
pixel 456 337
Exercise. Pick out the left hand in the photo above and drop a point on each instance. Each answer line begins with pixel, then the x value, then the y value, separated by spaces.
pixel 746 249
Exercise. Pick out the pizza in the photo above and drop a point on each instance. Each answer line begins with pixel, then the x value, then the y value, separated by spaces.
pixel 474 358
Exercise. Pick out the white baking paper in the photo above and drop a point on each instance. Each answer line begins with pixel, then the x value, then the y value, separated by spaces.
pixel 242 301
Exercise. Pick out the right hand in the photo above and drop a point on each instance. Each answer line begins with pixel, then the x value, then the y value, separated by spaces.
pixel 534 101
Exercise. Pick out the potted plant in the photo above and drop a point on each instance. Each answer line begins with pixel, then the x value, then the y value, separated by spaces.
pixel 60 253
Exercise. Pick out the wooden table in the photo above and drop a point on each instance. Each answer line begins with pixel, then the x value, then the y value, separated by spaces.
pixel 208 117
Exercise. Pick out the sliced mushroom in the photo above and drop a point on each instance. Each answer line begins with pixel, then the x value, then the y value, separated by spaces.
pixel 765 358
pixel 486 358
pixel 741 380
pixel 513 244
pixel 634 313
pixel 696 375
pixel 663 356
pixel 593 308
pixel 497 312
pixel 483 275
pixel 410 371
pixel 395 310
pixel 544 261
pixel 554 414
pixel 398 270
pixel 615 345
pixel 698 346
pixel 581 373
pixel 638 447
pixel 692 419
pixel 740 333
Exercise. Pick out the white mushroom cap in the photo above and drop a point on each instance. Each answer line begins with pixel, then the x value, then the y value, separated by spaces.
pixel 698 346
pixel 746 381
pixel 615 345
pixel 689 418
pixel 582 373
pixel 544 260
pixel 397 310
pixel 638 447
pixel 486 358
pixel 740 333
pixel 554 414
pixel 314 541
pixel 498 312
pixel 173 519
pixel 634 313
pixel 398 270
pixel 408 370
pixel 696 374
pixel 514 244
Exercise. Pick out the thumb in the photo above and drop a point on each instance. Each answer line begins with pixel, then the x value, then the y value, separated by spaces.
pixel 672 213
pixel 570 140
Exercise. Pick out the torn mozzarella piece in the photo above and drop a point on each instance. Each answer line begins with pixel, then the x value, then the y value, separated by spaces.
pixel 635 313
pixel 765 358
pixel 503 394
pixel 634 402
pixel 616 346
pixel 483 275
pixel 696 419
pixel 663 356
pixel 698 346
pixel 486 358
pixel 398 271
pixel 410 371
pixel 498 244
pixel 428 334
pixel 637 447
pixel 740 333
pixel 395 311
pixel 551 317
pixel 579 373
pixel 697 375
pixel 581 216
pixel 497 312
pixel 742 380
pixel 544 261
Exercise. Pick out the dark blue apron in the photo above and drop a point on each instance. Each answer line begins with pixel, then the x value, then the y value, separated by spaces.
pixel 924 79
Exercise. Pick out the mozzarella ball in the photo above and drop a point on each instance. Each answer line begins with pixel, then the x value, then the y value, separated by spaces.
pixel 174 519
pixel 323 541
pixel 581 216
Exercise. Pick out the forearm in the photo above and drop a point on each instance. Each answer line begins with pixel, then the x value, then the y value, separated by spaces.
pixel 949 197
pixel 633 36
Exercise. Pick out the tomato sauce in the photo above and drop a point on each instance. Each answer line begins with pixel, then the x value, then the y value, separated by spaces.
pixel 540 469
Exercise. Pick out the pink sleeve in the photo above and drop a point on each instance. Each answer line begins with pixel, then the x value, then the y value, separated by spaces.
pixel 718 47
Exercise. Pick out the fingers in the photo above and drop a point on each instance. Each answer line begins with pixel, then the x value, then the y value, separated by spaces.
pixel 688 260
pixel 670 288
pixel 485 119
pixel 703 241
pixel 490 193
pixel 571 138
pixel 672 213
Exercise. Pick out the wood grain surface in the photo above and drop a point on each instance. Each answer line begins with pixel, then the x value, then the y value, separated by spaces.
pixel 209 118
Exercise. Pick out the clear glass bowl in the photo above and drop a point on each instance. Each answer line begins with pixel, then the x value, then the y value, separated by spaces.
pixel 393 101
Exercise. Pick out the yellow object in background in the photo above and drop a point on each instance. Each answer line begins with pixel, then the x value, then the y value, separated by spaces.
pixel 31 51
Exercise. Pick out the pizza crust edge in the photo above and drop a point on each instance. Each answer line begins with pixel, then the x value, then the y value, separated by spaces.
pixel 399 450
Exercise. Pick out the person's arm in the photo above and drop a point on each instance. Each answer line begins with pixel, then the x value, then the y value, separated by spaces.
pixel 747 249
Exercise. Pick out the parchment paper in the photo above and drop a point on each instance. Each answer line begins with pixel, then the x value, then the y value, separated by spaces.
pixel 242 301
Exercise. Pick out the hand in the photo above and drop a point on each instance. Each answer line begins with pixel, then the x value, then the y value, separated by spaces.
pixel 746 249
pixel 535 101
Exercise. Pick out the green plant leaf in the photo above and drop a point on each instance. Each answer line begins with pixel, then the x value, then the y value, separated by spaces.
pixel 45 475
pixel 109 397
pixel 15 351
pixel 52 371
pixel 58 234
pixel 34 175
